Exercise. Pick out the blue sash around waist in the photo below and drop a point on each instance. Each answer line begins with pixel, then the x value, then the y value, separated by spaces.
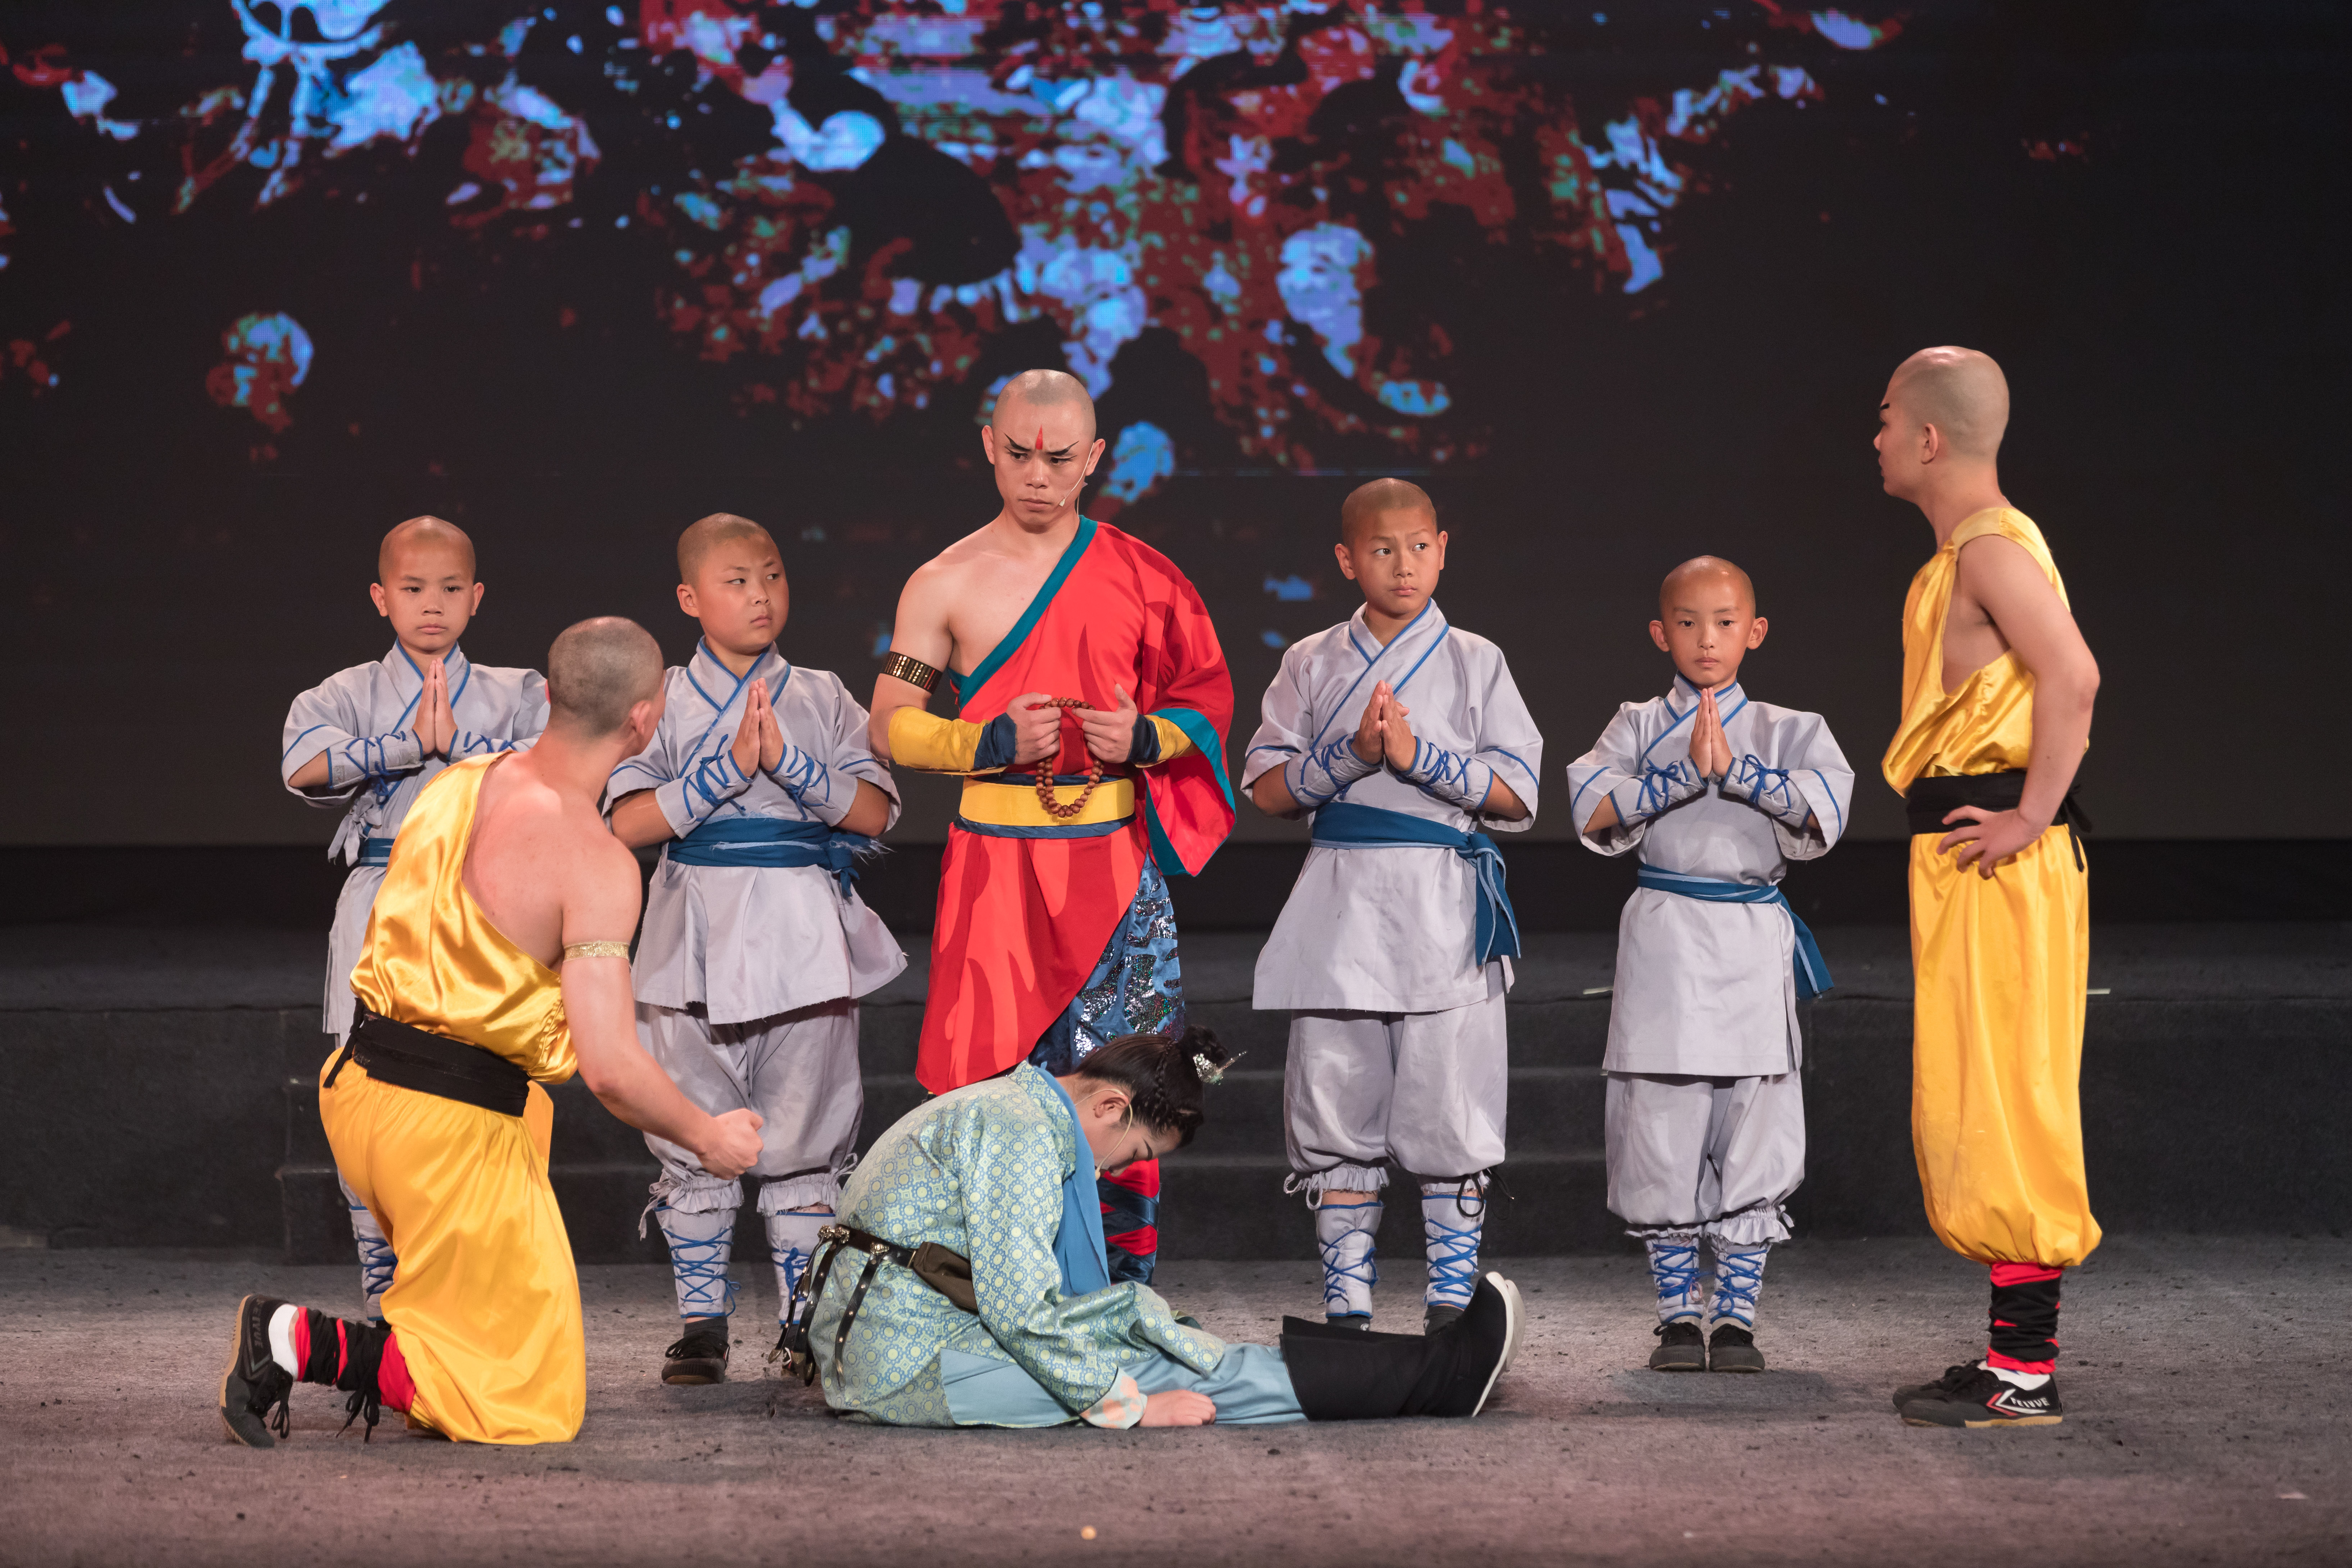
pixel 768 841
pixel 1346 825
pixel 374 852
pixel 1812 974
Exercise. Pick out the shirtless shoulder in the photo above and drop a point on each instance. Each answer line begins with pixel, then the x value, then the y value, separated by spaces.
pixel 544 871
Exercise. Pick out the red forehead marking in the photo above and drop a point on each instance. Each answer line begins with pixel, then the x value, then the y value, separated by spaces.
pixel 1040 443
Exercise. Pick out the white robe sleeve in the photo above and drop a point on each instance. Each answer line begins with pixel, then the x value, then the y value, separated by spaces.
pixel 1601 775
pixel 530 718
pixel 327 718
pixel 1805 787
pixel 1510 747
pixel 822 777
pixel 1284 719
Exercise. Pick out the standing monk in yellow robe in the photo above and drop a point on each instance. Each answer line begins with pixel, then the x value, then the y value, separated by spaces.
pixel 1996 692
pixel 497 960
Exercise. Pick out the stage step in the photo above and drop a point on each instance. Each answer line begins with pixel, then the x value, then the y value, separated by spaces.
pixel 162 1093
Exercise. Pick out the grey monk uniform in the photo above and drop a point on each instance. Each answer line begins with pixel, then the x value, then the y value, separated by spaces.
pixel 1397 1051
pixel 1705 1117
pixel 747 975
pixel 365 719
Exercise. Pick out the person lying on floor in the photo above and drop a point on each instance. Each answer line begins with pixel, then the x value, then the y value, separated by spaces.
pixel 966 1283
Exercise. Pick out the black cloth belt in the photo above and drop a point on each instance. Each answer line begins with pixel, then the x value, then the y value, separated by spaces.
pixel 947 1272
pixel 410 1058
pixel 1931 799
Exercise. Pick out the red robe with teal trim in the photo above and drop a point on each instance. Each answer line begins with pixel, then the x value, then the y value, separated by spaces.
pixel 1022 920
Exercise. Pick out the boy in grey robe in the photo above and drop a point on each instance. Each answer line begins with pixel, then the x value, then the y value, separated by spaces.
pixel 366 739
pixel 1706 1112
pixel 1405 739
pixel 761 788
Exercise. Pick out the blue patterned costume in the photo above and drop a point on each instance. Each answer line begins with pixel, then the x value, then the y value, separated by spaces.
pixel 999 1172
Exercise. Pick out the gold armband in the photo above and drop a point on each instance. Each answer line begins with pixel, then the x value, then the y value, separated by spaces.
pixel 929 744
pixel 913 671
pixel 594 949
pixel 1173 741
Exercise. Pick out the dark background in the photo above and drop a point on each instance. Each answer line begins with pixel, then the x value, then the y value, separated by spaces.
pixel 2165 291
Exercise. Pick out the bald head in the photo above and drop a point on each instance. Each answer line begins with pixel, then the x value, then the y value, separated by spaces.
pixel 1959 391
pixel 421 536
pixel 1366 504
pixel 1706 583
pixel 704 534
pixel 1042 392
pixel 597 671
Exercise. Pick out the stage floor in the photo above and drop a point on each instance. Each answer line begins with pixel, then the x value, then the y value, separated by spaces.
pixel 2207 1423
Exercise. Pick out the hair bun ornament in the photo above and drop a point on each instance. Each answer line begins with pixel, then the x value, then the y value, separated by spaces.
pixel 1213 1073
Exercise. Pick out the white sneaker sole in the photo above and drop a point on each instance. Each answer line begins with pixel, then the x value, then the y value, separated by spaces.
pixel 1516 1321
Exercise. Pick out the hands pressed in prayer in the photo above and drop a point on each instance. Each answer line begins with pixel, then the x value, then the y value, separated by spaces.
pixel 1178 1408
pixel 1368 744
pixel 1986 838
pixel 1396 735
pixel 747 747
pixel 1037 726
pixel 1710 750
pixel 436 726
pixel 1110 735
pixel 771 737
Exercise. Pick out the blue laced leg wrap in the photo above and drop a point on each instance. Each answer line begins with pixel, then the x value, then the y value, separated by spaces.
pixel 1739 1276
pixel 376 1261
pixel 1453 1215
pixel 701 1247
pixel 1348 1274
pixel 792 1241
pixel 1673 1266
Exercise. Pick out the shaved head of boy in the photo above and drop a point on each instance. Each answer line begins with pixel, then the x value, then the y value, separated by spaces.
pixel 1041 446
pixel 1708 620
pixel 425 585
pixel 604 674
pixel 731 577
pixel 1946 407
pixel 1391 548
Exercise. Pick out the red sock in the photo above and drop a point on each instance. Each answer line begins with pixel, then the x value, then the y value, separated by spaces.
pixel 392 1379
pixel 301 1339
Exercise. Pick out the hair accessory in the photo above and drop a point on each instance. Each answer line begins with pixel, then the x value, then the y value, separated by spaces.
pixel 1213 1073
pixel 913 671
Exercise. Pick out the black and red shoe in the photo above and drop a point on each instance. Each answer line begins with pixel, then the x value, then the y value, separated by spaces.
pixel 1954 1376
pixel 1984 1398
pixel 255 1390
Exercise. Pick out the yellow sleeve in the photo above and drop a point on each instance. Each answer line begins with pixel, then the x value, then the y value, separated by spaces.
pixel 929 744
pixel 1173 741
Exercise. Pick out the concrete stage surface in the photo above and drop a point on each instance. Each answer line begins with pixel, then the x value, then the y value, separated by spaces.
pixel 2206 1424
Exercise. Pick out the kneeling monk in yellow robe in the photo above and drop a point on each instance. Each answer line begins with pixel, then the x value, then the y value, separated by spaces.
pixel 1997 693
pixel 503 872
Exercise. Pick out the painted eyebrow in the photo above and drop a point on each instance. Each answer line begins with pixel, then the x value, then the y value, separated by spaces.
pixel 1019 450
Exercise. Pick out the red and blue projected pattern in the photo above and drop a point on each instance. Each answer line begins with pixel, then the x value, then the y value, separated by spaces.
pixel 847 202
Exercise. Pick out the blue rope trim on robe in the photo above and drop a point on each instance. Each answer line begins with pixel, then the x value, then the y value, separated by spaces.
pixel 769 841
pixel 1347 826
pixel 1813 973
pixel 374 852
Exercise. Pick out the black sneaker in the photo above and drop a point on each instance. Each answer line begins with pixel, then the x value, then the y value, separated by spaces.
pixel 1954 1377
pixel 1680 1347
pixel 1732 1348
pixel 700 1356
pixel 1437 1315
pixel 1987 1399
pixel 255 1383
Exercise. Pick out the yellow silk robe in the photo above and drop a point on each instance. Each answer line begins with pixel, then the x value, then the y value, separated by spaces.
pixel 2000 965
pixel 485 1301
